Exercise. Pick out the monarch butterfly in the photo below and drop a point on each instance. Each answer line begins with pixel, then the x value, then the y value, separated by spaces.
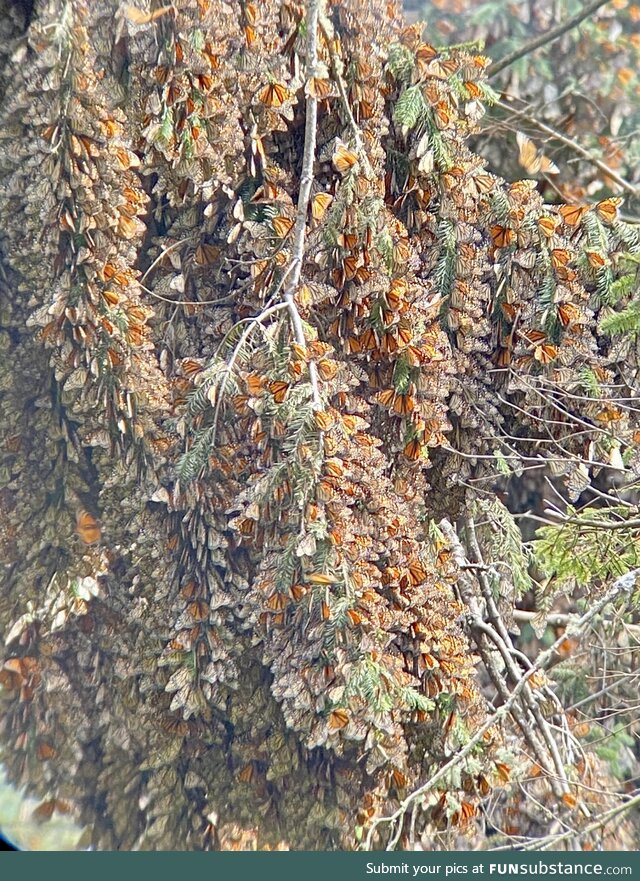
pixel 88 528
pixel 45 810
pixel 425 54
pixel 191 367
pixel 188 590
pixel 267 192
pixel 347 240
pixel 404 335
pixel 319 205
pixel 428 661
pixel 509 310
pixel 545 353
pixel 321 578
pixel 334 468
pixel 609 414
pixel 206 254
pixel 413 450
pixel 251 13
pixel 386 397
pixel 559 257
pixel 401 253
pixel 327 369
pixel 277 602
pixel 254 384
pixel 414 356
pixel 417 573
pixel 467 810
pixel 274 95
pixel 354 617
pixel 338 719
pixel 404 405
pixel 607 210
pixel 349 267
pixel 368 340
pixel 282 226
pixel 568 313
pixel 245 775
pixel 442 113
pixel 396 293
pixel 198 610
pixel 389 343
pixel 596 259
pixel 322 420
pixel 443 68
pixel 502 236
pixel 344 159
pixel 298 591
pixel 534 336
pixel 573 214
pixel 547 225
pixel 531 159
pixel 473 90
pixel 279 390
pixel 45 751
pixel 318 88
pixel 484 183
pixel 362 275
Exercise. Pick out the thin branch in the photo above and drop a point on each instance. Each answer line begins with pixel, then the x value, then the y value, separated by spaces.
pixel 595 524
pixel 572 145
pixel 252 324
pixel 553 840
pixel 306 181
pixel 546 38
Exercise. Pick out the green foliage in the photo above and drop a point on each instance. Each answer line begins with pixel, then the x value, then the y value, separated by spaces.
pixel 445 269
pixel 575 553
pixel 501 463
pixel 369 681
pixel 624 322
pixel 410 107
pixel 589 382
pixel 501 542
pixel 612 747
pixel 400 63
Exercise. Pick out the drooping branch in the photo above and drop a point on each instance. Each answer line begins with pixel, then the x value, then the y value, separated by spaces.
pixel 624 584
pixel 306 181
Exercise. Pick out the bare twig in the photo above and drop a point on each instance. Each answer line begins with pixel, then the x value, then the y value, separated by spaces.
pixel 498 634
pixel 546 38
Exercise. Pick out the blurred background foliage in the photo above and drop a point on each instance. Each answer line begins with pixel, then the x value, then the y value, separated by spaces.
pixel 584 84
